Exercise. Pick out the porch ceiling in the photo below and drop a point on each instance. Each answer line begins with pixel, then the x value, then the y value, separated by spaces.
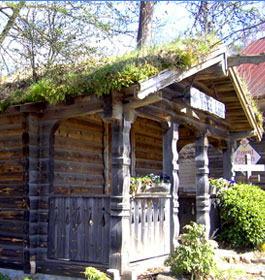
pixel 214 78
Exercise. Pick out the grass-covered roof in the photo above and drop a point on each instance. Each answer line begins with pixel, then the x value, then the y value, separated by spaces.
pixel 101 75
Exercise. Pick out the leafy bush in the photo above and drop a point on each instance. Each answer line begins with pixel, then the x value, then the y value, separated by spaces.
pixel 195 255
pixel 242 212
pixel 91 273
pixel 4 277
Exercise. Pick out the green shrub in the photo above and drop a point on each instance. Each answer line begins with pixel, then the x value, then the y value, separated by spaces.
pixel 195 255
pixel 4 277
pixel 91 273
pixel 242 212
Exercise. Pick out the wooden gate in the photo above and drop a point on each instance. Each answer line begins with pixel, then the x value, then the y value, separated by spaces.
pixel 79 228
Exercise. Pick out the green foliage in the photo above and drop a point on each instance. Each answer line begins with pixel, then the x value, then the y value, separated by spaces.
pixel 91 273
pixel 242 215
pixel 4 277
pixel 195 255
pixel 101 76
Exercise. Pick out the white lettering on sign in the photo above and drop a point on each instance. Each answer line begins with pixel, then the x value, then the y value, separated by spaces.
pixel 245 149
pixel 207 103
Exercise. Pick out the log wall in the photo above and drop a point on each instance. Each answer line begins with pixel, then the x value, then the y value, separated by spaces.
pixel 147 146
pixel 79 156
pixel 13 201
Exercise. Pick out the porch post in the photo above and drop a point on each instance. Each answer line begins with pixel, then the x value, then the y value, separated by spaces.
pixel 120 200
pixel 202 182
pixel 171 167
pixel 31 192
pixel 228 154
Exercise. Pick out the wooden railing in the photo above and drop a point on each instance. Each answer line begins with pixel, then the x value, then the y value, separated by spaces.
pixel 79 228
pixel 150 227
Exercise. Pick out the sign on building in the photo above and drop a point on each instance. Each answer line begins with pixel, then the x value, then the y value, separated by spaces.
pixel 245 149
pixel 206 103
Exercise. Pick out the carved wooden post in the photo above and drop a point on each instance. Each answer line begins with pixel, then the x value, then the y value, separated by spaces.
pixel 31 192
pixel 47 128
pixel 202 181
pixel 120 200
pixel 171 167
pixel 228 154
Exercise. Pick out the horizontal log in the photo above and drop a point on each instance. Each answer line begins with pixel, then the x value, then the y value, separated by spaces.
pixel 11 154
pixel 139 137
pixel 11 227
pixel 8 251
pixel 78 156
pixel 11 240
pixel 66 190
pixel 77 134
pixel 77 179
pixel 149 155
pixel 78 167
pixel 11 190
pixel 11 263
pixel 80 145
pixel 15 215
pixel 83 124
pixel 12 203
pixel 11 142
pixel 10 176
pixel 143 146
pixel 60 112
pixel 148 164
pixel 10 168
pixel 10 119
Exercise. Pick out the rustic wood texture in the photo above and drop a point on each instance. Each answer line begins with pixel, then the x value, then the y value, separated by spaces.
pixel 120 203
pixel 149 227
pixel 79 228
pixel 171 168
pixel 79 156
pixel 148 153
pixel 13 202
pixel 202 183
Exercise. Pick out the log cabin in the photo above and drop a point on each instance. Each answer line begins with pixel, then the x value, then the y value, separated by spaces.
pixel 65 169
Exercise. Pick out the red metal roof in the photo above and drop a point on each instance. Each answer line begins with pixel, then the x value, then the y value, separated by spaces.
pixel 254 75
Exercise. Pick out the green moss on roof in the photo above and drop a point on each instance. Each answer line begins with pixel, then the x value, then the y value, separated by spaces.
pixel 100 76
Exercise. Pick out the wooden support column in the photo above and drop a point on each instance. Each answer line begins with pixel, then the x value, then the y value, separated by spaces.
pixel 31 192
pixel 171 167
pixel 228 154
pixel 47 128
pixel 120 200
pixel 202 182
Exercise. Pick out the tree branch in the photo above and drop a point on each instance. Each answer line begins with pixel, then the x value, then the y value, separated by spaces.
pixel 16 9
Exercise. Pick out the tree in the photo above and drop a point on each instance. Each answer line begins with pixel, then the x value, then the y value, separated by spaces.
pixel 144 36
pixel 231 21
pixel 42 34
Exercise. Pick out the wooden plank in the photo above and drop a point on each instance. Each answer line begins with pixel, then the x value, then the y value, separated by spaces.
pixel 71 144
pixel 69 132
pixel 78 179
pixel 70 190
pixel 10 119
pixel 65 111
pixel 77 167
pixel 78 156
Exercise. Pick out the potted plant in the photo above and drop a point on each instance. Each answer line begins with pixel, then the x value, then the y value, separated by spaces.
pixel 150 183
